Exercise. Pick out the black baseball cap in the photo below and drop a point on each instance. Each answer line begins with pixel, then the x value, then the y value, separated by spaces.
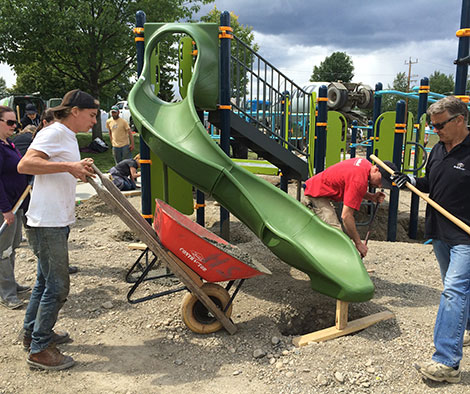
pixel 386 181
pixel 77 98
pixel 31 109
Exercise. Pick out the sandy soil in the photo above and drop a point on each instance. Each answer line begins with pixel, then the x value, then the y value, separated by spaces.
pixel 146 348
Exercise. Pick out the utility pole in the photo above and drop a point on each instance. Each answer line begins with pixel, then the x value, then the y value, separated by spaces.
pixel 409 63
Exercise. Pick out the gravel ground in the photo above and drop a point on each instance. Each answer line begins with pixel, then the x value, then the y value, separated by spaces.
pixel 146 348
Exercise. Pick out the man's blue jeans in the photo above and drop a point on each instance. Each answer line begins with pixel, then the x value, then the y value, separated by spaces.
pixel 52 285
pixel 453 315
pixel 124 152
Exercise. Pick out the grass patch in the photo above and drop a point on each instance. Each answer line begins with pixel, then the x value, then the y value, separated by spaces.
pixel 104 161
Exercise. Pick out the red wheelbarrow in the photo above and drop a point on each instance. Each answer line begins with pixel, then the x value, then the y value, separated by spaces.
pixel 205 258
pixel 192 253
pixel 211 258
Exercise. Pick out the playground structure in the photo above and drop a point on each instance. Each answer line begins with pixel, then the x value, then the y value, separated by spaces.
pixel 297 142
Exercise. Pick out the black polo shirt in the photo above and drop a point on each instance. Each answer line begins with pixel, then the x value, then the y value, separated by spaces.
pixel 447 181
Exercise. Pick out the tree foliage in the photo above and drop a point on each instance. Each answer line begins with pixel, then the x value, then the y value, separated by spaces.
pixel 441 83
pixel 3 87
pixel 389 101
pixel 336 67
pixel 58 45
pixel 239 78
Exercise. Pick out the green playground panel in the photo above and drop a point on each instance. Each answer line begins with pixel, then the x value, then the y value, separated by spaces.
pixel 336 133
pixel 262 167
pixel 409 148
pixel 384 135
pixel 179 193
pixel 419 154
pixel 311 135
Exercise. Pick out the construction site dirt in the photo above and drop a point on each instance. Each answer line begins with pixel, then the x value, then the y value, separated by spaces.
pixel 146 348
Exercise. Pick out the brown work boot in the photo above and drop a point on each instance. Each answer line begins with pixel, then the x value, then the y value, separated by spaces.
pixel 50 359
pixel 58 337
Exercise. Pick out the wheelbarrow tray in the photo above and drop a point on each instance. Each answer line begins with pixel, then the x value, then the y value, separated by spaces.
pixel 208 255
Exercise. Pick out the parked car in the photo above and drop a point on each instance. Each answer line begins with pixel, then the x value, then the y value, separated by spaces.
pixel 18 103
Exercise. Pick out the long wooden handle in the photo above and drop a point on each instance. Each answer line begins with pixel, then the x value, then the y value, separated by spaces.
pixel 431 202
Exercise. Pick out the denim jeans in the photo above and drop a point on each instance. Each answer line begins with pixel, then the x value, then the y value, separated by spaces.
pixel 52 285
pixel 124 152
pixel 10 239
pixel 453 314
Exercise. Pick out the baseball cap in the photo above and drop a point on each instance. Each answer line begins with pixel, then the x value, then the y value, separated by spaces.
pixel 114 108
pixel 77 98
pixel 386 181
pixel 31 109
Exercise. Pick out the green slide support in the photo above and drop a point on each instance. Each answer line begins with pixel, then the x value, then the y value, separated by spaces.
pixel 335 138
pixel 290 230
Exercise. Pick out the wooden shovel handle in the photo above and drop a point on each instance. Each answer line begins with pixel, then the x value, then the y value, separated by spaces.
pixel 431 202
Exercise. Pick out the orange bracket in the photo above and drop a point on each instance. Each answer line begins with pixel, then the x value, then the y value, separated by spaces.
pixel 138 30
pixel 147 216
pixel 322 99
pixel 465 99
pixel 322 124
pixel 197 206
pixel 143 161
pixel 226 32
pixel 463 33
pixel 219 106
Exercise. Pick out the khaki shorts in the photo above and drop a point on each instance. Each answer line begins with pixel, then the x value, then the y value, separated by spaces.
pixel 324 209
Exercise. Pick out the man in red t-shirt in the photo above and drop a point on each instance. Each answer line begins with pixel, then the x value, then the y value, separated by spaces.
pixel 347 181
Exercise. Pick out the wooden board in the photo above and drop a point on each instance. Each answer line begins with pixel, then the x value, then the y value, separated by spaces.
pixel 333 332
pixel 110 194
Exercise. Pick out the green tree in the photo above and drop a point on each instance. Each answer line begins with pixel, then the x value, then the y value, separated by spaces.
pixel 87 44
pixel 244 33
pixel 389 101
pixel 441 83
pixel 336 67
pixel 3 87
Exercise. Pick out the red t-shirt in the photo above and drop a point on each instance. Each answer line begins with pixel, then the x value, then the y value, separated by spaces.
pixel 346 181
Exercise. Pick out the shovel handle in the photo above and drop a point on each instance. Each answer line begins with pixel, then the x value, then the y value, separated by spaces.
pixel 431 202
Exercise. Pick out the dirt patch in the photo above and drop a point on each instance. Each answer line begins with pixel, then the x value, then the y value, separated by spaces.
pixel 146 348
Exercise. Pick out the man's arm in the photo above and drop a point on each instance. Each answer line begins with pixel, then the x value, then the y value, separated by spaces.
pixel 349 223
pixel 375 197
pixel 110 133
pixel 36 162
pixel 134 173
pixel 131 138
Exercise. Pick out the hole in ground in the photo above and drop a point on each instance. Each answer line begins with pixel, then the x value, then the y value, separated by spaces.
pixel 295 323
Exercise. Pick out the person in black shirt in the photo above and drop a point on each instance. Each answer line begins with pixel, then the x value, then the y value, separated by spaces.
pixel 447 181
pixel 31 116
pixel 125 173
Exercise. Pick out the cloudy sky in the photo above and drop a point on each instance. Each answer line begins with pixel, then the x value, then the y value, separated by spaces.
pixel 295 35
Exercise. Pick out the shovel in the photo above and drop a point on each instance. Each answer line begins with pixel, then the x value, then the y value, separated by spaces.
pixel 431 202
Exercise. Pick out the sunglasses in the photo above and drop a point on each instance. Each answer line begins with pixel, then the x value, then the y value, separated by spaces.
pixel 10 122
pixel 440 126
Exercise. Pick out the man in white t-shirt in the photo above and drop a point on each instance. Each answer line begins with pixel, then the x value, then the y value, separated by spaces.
pixel 54 159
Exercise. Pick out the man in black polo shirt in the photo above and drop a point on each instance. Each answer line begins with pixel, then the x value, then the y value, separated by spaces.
pixel 447 181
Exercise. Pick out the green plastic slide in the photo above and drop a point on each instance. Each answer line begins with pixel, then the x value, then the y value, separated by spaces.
pixel 291 231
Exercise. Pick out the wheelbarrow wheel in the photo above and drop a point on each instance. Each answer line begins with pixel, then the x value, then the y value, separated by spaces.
pixel 197 317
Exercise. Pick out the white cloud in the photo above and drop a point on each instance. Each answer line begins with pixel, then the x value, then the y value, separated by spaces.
pixel 382 65
pixel 7 74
